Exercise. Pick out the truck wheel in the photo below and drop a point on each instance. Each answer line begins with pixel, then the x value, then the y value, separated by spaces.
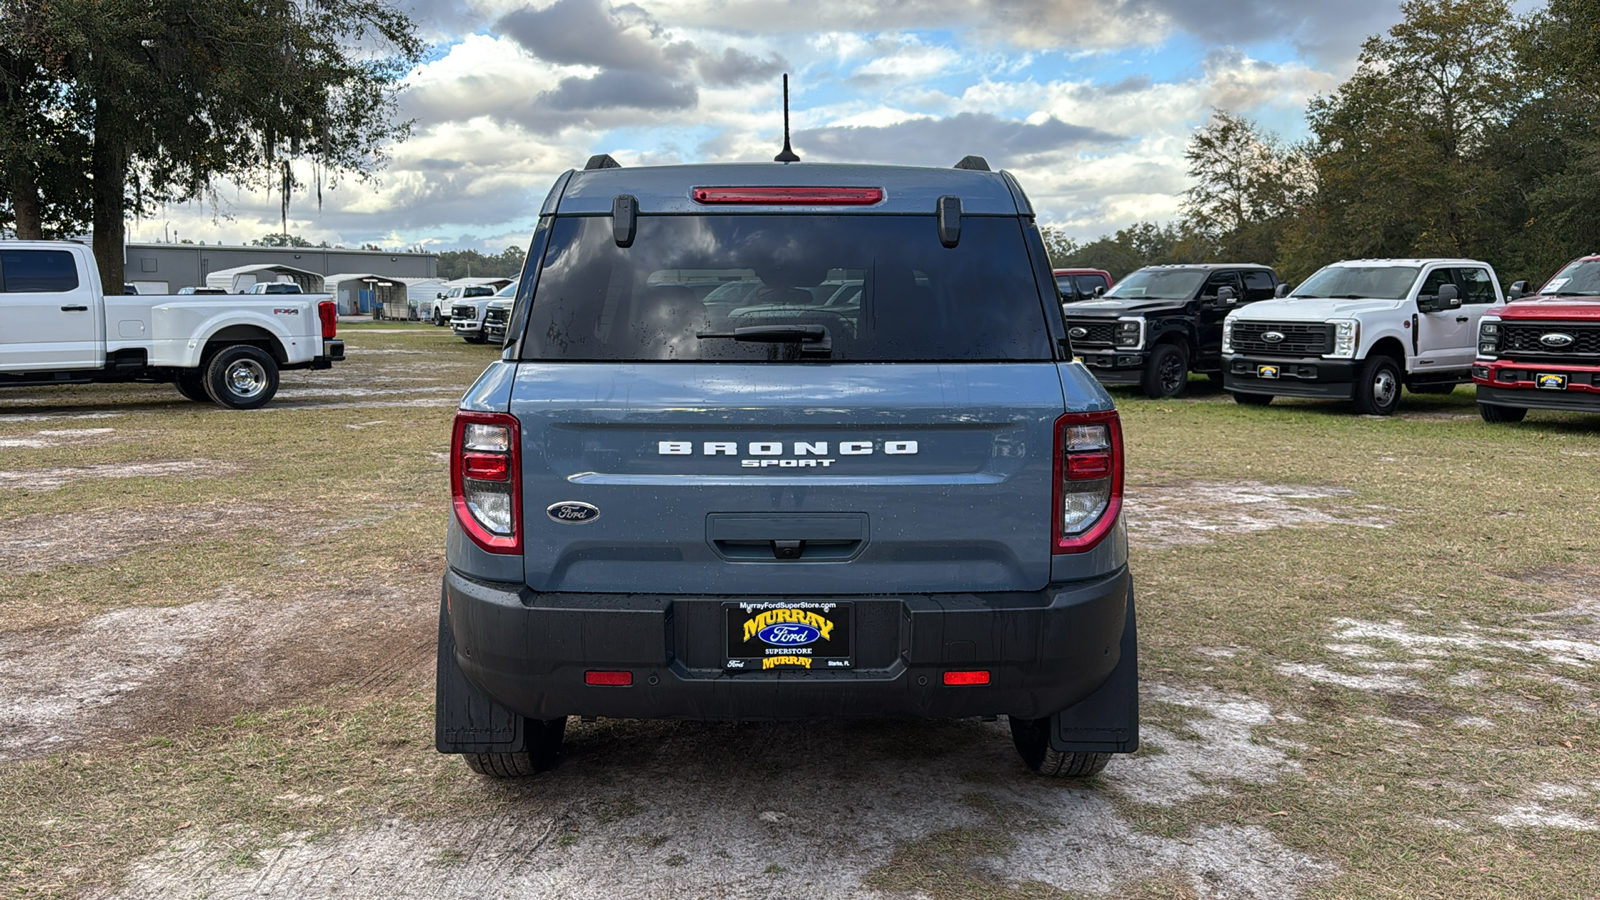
pixel 242 377
pixel 1032 739
pixel 1501 415
pixel 1166 373
pixel 191 384
pixel 438 318
pixel 1244 399
pixel 544 751
pixel 1377 388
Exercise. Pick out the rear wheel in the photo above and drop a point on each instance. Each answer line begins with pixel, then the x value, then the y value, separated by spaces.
pixel 1032 740
pixel 242 377
pixel 1166 373
pixel 542 755
pixel 1377 388
pixel 1244 399
pixel 191 384
pixel 1501 415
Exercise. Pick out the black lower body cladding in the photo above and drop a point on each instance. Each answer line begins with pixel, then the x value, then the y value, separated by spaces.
pixel 1332 379
pixel 1119 367
pixel 1563 401
pixel 1045 651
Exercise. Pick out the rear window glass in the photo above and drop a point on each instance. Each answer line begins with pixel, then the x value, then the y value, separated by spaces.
pixel 742 287
pixel 38 271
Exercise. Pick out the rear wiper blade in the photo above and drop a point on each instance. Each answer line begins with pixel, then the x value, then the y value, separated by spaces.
pixel 811 338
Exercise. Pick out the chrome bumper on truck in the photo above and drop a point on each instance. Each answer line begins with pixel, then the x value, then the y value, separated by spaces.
pixel 507 652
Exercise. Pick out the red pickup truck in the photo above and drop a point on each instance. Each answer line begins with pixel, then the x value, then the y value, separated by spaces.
pixel 1543 351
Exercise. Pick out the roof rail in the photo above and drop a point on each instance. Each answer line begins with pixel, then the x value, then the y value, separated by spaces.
pixel 975 163
pixel 601 161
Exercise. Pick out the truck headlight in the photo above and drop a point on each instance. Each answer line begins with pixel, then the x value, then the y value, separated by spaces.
pixel 1489 337
pixel 1227 336
pixel 1129 334
pixel 1346 335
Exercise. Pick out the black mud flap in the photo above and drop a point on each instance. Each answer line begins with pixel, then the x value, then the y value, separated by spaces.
pixel 1106 721
pixel 465 719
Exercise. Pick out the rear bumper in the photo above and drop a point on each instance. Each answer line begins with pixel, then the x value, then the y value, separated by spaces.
pixel 1114 366
pixel 1297 377
pixel 1045 651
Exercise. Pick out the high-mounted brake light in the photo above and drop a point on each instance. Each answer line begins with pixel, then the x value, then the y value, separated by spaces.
pixel 328 312
pixel 806 196
pixel 1088 480
pixel 484 483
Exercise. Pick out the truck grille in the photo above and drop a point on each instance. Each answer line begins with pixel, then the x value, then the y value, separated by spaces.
pixel 1099 333
pixel 494 317
pixel 1526 339
pixel 465 313
pixel 1299 338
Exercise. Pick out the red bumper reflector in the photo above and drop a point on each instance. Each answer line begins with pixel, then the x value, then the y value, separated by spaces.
pixel 981 676
pixel 808 196
pixel 609 679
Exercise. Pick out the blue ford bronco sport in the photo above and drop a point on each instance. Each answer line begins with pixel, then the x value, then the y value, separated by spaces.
pixel 786 442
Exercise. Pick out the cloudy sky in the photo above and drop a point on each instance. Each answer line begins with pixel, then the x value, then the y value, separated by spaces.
pixel 1089 102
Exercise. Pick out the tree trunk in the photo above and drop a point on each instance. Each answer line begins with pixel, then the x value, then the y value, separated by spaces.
pixel 109 167
pixel 25 204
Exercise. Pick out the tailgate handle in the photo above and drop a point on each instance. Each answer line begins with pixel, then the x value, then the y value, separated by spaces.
pixel 765 538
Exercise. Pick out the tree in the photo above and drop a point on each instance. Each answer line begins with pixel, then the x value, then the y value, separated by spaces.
pixel 282 239
pixel 1245 186
pixel 1402 158
pixel 1138 245
pixel 472 263
pixel 171 96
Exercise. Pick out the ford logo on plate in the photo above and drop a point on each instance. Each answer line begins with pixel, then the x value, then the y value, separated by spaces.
pixel 572 511
pixel 789 634
pixel 1557 339
pixel 1077 332
pixel 1272 337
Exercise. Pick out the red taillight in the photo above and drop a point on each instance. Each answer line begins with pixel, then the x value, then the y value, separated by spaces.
pixel 485 485
pixel 328 312
pixel 485 466
pixel 808 196
pixel 1088 480
pixel 608 679
pixel 978 676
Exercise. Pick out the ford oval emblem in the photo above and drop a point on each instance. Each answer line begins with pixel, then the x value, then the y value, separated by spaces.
pixel 1077 332
pixel 1272 337
pixel 573 511
pixel 789 634
pixel 1557 339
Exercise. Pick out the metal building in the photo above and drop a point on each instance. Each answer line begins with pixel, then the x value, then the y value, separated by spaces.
pixel 164 268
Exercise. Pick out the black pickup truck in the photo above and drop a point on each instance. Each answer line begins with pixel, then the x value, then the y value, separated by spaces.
pixel 1163 322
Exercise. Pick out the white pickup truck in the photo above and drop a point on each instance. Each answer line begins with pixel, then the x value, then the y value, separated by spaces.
pixel 58 327
pixel 1359 330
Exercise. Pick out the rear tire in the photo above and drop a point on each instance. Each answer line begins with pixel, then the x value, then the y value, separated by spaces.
pixel 1501 415
pixel 542 755
pixel 1032 740
pixel 1166 373
pixel 1377 388
pixel 242 377
pixel 191 384
pixel 1244 399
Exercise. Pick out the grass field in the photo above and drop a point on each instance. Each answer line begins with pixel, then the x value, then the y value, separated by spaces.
pixel 1370 652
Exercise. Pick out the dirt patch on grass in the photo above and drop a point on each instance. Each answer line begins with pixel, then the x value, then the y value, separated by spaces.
pixel 825 810
pixel 153 671
pixel 51 479
pixel 42 542
pixel 1196 512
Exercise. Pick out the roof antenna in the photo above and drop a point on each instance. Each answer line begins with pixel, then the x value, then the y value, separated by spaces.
pixel 787 155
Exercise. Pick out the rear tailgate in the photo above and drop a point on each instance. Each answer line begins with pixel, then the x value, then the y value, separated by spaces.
pixel 805 478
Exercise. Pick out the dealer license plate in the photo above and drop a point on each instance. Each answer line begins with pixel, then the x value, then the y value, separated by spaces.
pixel 1266 371
pixel 774 636
pixel 1550 382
